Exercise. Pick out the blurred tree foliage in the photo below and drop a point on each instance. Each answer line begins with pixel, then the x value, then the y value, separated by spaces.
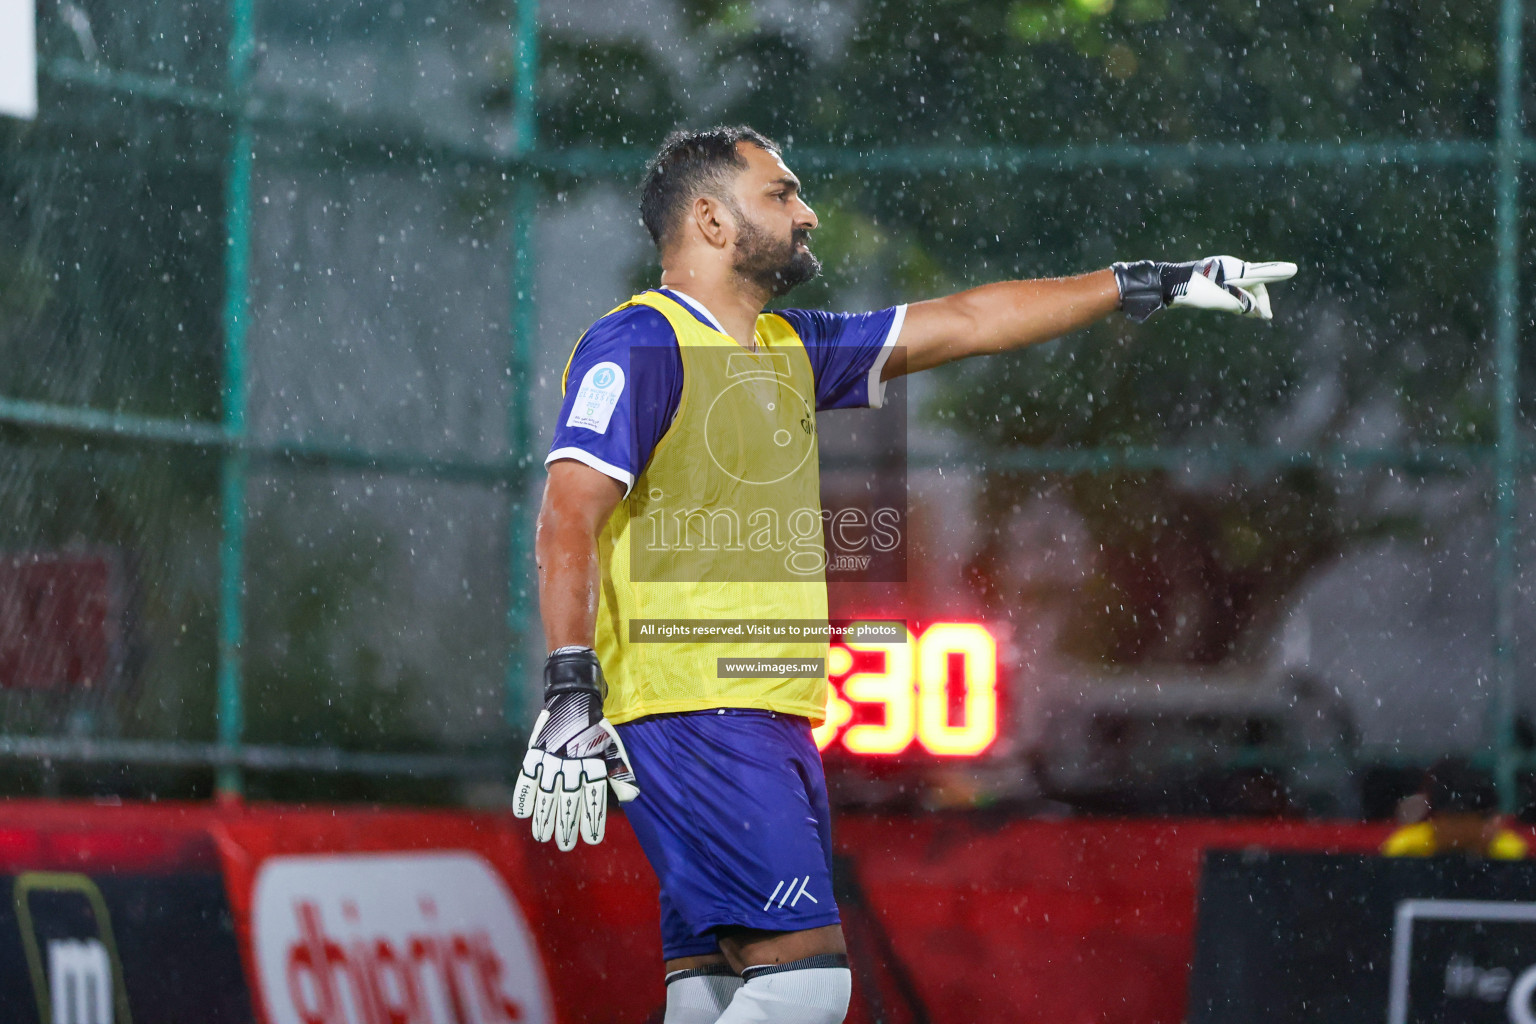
pixel 1379 342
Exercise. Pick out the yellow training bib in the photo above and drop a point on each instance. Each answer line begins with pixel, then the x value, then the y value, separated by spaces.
pixel 723 524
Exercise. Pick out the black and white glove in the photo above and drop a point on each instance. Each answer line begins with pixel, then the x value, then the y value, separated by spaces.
pixel 1225 283
pixel 573 755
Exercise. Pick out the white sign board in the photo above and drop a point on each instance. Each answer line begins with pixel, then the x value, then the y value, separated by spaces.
pixel 430 938
pixel 18 58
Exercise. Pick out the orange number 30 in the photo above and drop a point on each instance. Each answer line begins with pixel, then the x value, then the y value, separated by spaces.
pixel 912 684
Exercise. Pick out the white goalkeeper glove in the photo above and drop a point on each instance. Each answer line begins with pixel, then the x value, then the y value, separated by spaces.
pixel 573 755
pixel 1225 283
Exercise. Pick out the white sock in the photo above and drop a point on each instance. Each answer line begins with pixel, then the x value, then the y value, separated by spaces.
pixel 815 990
pixel 699 995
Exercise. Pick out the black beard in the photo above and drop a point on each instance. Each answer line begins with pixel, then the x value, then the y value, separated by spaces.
pixel 770 266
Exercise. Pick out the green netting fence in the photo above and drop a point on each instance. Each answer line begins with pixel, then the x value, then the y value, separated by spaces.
pixel 272 345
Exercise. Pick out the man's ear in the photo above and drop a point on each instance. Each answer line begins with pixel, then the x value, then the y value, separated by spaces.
pixel 714 221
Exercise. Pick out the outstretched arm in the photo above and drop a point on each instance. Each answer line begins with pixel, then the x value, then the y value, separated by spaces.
pixel 1013 314
pixel 999 317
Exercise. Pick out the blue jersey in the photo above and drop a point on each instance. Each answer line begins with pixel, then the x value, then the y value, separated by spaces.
pixel 847 351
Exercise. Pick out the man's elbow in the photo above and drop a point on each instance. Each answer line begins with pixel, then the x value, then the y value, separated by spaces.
pixel 950 328
pixel 573 518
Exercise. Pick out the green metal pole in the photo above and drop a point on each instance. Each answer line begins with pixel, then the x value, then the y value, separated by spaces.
pixel 523 322
pixel 232 511
pixel 1506 363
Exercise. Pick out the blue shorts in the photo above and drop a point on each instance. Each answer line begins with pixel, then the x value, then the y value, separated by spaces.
pixel 732 815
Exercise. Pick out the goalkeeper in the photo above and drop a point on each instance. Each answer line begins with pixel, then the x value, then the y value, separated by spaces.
pixel 688 423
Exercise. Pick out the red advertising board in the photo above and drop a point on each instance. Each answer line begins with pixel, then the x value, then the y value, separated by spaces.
pixel 362 916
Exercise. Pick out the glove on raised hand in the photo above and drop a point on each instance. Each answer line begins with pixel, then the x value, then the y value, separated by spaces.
pixel 573 754
pixel 1216 282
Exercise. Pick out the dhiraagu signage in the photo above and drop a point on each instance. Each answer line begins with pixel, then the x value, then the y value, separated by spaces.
pixel 430 937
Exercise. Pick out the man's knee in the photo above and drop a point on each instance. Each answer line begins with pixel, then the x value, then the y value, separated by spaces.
pixel 814 990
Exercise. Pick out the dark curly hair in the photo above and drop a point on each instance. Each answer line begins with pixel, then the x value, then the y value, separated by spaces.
pixel 690 164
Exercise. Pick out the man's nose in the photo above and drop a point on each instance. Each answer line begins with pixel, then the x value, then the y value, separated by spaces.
pixel 807 218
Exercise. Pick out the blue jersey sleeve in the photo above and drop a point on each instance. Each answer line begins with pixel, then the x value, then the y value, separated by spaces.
pixel 847 352
pixel 622 389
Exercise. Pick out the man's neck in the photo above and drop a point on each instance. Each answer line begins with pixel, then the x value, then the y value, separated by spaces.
pixel 734 307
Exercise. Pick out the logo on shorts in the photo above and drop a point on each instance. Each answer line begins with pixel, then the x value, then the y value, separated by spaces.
pixel 789 891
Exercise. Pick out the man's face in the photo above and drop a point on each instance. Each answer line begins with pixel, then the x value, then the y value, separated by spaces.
pixel 774 224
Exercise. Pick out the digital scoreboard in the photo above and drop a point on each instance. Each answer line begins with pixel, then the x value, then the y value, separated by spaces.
pixel 932 691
